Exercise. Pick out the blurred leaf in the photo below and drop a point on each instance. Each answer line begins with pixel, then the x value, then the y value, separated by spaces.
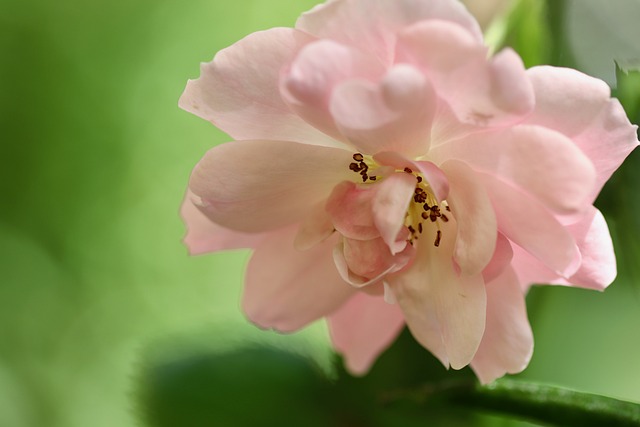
pixel 603 33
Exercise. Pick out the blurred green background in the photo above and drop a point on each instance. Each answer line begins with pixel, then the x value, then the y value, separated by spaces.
pixel 104 319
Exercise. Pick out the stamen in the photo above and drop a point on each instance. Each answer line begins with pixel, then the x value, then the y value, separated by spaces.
pixel 444 217
pixel 408 170
pixel 438 237
pixel 358 157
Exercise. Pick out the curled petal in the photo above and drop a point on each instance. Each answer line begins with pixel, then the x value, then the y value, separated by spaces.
pixel 395 114
pixel 390 207
pixel 245 101
pixel 363 328
pixel 286 289
pixel 507 343
pixel 205 236
pixel 477 224
pixel 501 259
pixel 349 207
pixel 258 186
pixel 372 25
pixel 444 310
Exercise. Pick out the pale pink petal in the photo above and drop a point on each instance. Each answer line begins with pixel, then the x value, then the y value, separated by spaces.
pixel 430 172
pixel 539 161
pixel 263 185
pixel 580 107
pixel 394 114
pixel 528 224
pixel 308 83
pixel 349 207
pixel 501 259
pixel 507 343
pixel 566 100
pixel 286 289
pixel 356 280
pixel 372 24
pixel 444 310
pixel 205 236
pixel 315 228
pixel 363 328
pixel 238 91
pixel 472 209
pixel 390 205
pixel 494 92
pixel 598 269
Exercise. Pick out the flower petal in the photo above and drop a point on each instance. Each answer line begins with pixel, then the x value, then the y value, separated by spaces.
pixel 431 173
pixel 494 92
pixel 598 267
pixel 363 328
pixel 507 343
pixel 263 185
pixel 539 161
pixel 314 229
pixel 204 236
pixel 394 114
pixel 286 289
pixel 372 24
pixel 501 259
pixel 477 224
pixel 525 222
pixel 390 205
pixel 308 83
pixel 349 207
pixel 580 107
pixel 238 91
pixel 444 310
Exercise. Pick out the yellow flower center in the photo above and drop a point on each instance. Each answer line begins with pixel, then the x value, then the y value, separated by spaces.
pixel 423 207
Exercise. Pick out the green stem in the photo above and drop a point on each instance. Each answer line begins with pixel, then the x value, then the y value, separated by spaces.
pixel 537 403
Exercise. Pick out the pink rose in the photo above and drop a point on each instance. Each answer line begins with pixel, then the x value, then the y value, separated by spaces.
pixel 386 170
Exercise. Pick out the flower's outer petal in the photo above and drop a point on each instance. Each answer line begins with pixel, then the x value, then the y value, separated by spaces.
pixel 349 207
pixel 539 161
pixel 306 86
pixel 598 268
pixel 238 91
pixel 507 343
pixel 286 289
pixel 493 92
pixel 501 259
pixel 263 185
pixel 390 205
pixel 444 310
pixel 204 236
pixel 477 224
pixel 528 224
pixel 394 114
pixel 363 328
pixel 580 107
pixel 430 172
pixel 372 25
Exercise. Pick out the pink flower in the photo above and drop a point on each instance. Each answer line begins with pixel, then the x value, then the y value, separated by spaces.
pixel 387 172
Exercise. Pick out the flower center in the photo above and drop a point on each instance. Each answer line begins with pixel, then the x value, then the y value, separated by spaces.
pixel 424 207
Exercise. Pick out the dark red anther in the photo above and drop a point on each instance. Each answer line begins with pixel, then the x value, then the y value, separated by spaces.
pixel 408 170
pixel 438 237
pixel 358 157
pixel 444 218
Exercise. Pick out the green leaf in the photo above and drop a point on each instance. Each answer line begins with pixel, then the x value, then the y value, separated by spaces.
pixel 533 402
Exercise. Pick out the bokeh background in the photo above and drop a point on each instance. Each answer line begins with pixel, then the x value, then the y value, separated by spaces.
pixel 104 319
